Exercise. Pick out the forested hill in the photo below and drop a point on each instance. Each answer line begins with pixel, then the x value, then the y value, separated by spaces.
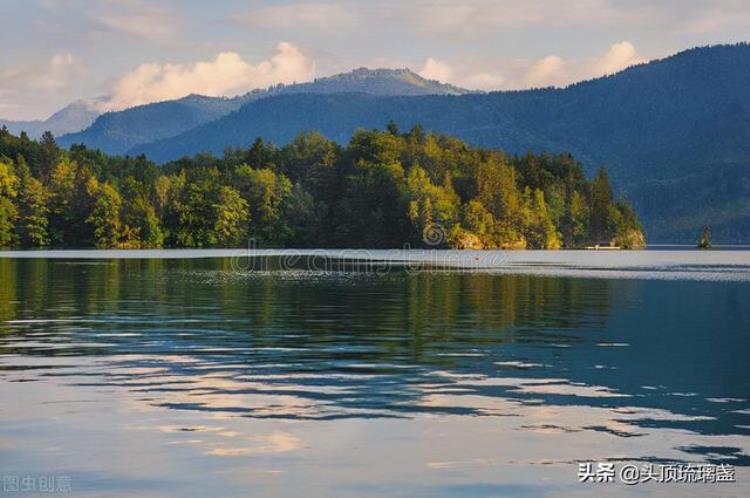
pixel 385 189
pixel 674 133
pixel 117 132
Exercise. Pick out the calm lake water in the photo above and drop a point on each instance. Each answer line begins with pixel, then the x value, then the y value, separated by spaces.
pixel 483 374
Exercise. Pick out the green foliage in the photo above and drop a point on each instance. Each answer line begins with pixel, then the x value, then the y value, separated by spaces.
pixel 231 215
pixel 265 192
pixel 105 214
pixel 371 212
pixel 429 204
pixel 541 232
pixel 600 219
pixel 33 210
pixel 305 216
pixel 385 189
pixel 195 215
pixel 142 227
pixel 8 211
pixel 576 219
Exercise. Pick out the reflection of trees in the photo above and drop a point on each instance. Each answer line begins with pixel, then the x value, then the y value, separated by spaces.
pixel 410 313
pixel 388 331
pixel 7 290
pixel 424 311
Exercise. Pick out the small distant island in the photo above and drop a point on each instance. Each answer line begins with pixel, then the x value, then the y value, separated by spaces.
pixel 384 189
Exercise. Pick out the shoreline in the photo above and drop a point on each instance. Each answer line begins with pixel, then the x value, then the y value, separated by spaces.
pixel 660 264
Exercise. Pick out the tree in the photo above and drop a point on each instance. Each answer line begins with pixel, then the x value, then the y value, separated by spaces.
pixel 141 226
pixel 601 201
pixel 196 215
pixel 232 216
pixel 308 157
pixel 63 191
pixel 48 154
pixel 265 193
pixel 479 221
pixel 430 206
pixel 261 154
pixel 497 191
pixel 105 214
pixel 371 212
pixel 540 232
pixel 577 220
pixel 625 227
pixel 8 211
pixel 33 210
pixel 305 217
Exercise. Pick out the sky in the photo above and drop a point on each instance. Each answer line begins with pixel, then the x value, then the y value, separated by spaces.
pixel 131 52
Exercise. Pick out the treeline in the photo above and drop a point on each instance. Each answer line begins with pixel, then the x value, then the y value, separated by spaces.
pixel 384 189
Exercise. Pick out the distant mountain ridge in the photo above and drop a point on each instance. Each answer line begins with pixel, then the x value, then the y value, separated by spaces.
pixel 674 133
pixel 118 132
pixel 71 118
pixel 377 82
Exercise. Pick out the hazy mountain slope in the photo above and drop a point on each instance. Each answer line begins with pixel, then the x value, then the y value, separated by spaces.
pixel 116 132
pixel 675 133
pixel 71 118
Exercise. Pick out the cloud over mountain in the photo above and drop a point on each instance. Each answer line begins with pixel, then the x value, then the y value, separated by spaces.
pixel 226 75
pixel 552 70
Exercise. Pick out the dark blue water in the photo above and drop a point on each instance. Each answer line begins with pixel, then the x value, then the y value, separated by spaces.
pixel 193 378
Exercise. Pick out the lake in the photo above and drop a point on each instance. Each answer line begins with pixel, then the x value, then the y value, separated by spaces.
pixel 372 373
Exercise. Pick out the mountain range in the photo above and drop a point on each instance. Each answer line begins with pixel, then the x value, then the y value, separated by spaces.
pixel 71 118
pixel 119 132
pixel 674 133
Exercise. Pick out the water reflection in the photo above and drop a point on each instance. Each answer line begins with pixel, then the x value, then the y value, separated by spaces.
pixel 553 370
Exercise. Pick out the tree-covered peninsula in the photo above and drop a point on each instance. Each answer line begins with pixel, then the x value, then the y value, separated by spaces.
pixel 384 189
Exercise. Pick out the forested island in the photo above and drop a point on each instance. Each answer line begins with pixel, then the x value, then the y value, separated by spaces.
pixel 384 189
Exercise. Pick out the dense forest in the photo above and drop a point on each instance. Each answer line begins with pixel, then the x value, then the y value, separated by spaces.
pixel 384 189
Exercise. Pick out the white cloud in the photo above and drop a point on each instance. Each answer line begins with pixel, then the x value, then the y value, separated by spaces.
pixel 548 71
pixel 436 70
pixel 555 71
pixel 227 75
pixel 442 71
pixel 325 16
pixel 618 57
pixel 482 81
pixel 552 70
